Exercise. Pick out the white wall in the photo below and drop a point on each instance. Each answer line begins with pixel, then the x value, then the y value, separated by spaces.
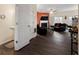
pixel 78 29
pixel 5 32
pixel 63 14
pixel 25 19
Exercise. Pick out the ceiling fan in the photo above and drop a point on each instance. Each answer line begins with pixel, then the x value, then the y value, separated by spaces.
pixel 51 10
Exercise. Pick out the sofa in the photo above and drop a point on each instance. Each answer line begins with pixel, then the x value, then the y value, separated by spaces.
pixel 59 27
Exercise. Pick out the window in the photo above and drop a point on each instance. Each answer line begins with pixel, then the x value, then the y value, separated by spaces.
pixel 58 20
pixel 69 22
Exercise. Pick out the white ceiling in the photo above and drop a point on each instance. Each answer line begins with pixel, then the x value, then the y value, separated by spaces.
pixel 56 7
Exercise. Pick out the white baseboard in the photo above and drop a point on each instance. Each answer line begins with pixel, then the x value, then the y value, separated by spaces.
pixel 3 42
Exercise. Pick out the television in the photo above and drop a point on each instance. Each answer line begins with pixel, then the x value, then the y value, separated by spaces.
pixel 44 18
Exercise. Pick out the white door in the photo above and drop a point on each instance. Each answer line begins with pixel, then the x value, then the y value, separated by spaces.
pixel 24 25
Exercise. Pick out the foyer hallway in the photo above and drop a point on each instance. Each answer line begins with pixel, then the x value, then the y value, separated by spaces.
pixel 54 43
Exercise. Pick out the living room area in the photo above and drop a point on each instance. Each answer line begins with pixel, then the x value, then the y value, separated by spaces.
pixel 62 20
pixel 39 29
pixel 57 32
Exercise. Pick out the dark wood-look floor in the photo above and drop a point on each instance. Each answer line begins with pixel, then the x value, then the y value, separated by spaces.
pixel 53 43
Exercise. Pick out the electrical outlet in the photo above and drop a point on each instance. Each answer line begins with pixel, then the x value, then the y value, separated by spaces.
pixel 16 41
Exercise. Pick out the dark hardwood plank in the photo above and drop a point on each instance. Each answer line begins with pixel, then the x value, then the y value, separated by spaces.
pixel 53 43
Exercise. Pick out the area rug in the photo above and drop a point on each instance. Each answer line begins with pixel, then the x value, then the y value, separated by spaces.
pixel 9 44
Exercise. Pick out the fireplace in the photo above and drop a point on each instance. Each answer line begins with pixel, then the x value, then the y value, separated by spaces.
pixel 42 27
pixel 44 24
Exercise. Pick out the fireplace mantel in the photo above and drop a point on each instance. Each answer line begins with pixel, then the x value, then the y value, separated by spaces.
pixel 43 21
